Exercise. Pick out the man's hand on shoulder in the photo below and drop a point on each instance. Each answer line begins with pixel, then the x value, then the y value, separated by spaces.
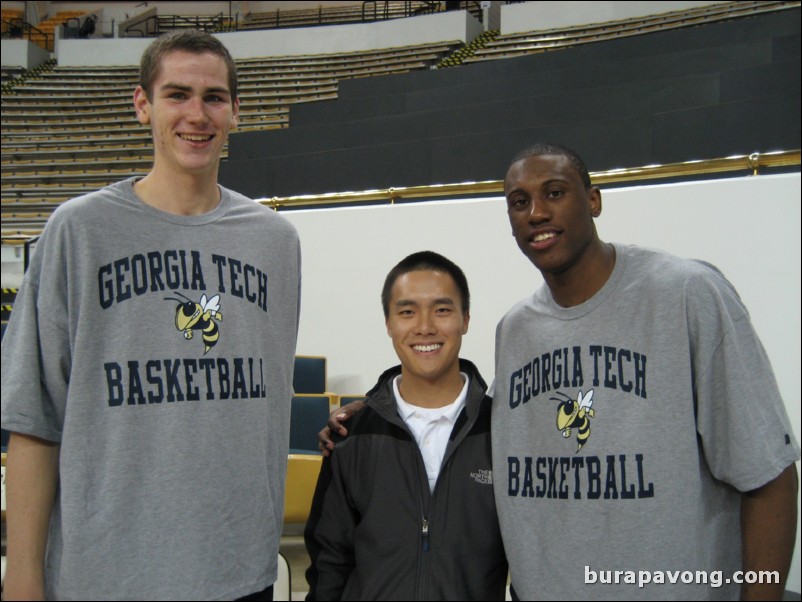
pixel 337 419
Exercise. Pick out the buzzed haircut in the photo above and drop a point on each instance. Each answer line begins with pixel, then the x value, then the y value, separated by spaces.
pixel 192 40
pixel 547 148
pixel 426 261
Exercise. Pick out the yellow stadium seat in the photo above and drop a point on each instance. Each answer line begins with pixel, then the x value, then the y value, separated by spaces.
pixel 302 473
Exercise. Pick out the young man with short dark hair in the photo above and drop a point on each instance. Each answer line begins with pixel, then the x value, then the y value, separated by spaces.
pixel 149 436
pixel 637 426
pixel 404 509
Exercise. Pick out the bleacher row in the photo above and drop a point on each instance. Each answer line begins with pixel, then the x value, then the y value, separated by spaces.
pixel 520 44
pixel 72 130
pixel 311 406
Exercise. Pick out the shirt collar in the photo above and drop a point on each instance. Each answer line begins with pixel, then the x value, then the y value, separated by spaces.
pixel 450 412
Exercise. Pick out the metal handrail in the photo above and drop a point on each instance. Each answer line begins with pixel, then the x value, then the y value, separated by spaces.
pixel 376 14
pixel 748 163
pixel 25 28
pixel 153 24
pixel 133 28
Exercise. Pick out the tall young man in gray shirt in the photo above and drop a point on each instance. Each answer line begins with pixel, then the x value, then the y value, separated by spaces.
pixel 149 434
pixel 639 437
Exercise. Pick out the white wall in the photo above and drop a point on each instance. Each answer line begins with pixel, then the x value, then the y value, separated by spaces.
pixel 350 38
pixel 12 266
pixel 101 52
pixel 22 53
pixel 531 16
pixel 287 42
pixel 748 227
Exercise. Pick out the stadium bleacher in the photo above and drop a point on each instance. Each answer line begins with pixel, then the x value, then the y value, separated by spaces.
pixel 71 130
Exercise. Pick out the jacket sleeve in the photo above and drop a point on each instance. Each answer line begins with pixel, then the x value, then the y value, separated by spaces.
pixel 329 533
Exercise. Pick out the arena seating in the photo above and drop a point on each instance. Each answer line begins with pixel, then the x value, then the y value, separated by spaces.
pixel 310 374
pixel 520 44
pixel 44 36
pixel 9 73
pixel 346 399
pixel 302 473
pixel 72 130
pixel 728 87
pixel 309 415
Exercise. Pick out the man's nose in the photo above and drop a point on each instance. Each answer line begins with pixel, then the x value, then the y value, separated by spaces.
pixel 425 323
pixel 196 110
pixel 539 210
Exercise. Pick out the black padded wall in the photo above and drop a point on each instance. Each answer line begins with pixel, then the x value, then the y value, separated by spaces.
pixel 711 91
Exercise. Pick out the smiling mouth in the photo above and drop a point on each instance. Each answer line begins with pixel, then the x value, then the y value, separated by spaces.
pixel 543 236
pixel 195 137
pixel 427 348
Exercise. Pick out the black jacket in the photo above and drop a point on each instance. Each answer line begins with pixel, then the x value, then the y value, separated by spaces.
pixel 376 532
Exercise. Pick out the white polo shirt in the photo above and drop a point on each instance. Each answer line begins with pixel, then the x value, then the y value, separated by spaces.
pixel 431 427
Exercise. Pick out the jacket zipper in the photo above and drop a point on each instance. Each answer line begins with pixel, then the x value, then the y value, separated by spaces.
pixel 425 534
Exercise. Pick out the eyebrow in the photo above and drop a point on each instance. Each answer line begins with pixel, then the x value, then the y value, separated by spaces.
pixel 410 302
pixel 546 183
pixel 180 88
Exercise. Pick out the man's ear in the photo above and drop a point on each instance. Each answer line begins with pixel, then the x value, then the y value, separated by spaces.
pixel 594 198
pixel 142 106
pixel 466 318
pixel 235 114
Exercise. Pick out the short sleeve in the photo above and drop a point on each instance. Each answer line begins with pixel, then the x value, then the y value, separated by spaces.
pixel 741 419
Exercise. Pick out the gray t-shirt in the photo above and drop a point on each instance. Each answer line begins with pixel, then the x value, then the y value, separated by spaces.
pixel 158 351
pixel 624 428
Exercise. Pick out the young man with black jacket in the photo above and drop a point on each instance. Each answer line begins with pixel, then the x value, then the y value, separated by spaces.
pixel 404 508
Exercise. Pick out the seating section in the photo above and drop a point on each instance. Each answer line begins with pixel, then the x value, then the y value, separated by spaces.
pixel 44 34
pixel 520 44
pixel 9 295
pixel 728 87
pixel 310 374
pixel 309 415
pixel 8 15
pixel 302 473
pixel 11 73
pixel 69 131
pixel 344 400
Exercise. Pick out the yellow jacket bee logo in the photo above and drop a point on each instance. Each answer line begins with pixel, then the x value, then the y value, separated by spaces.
pixel 575 414
pixel 191 316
